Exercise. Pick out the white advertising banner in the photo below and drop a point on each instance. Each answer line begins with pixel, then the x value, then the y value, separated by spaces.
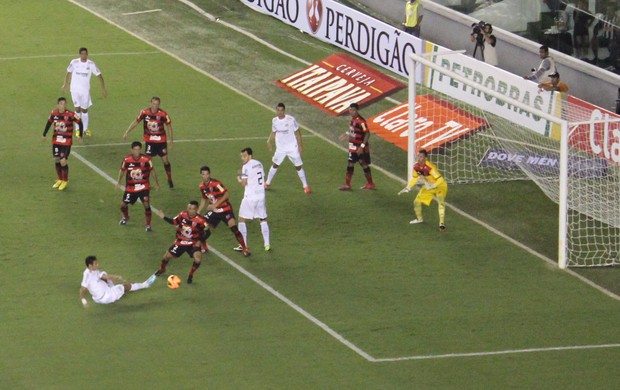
pixel 496 79
pixel 353 31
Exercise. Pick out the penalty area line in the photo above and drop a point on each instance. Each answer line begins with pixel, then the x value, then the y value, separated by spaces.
pixel 184 141
pixel 492 353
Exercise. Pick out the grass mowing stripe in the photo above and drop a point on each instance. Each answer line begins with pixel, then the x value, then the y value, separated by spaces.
pixel 132 53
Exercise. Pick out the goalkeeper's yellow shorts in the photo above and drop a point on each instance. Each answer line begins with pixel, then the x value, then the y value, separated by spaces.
pixel 426 196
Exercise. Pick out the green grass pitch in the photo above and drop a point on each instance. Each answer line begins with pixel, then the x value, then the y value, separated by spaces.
pixel 351 296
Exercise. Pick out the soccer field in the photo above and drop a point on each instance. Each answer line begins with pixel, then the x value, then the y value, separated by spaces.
pixel 350 297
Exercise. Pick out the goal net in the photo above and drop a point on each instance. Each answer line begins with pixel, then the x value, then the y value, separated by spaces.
pixel 569 150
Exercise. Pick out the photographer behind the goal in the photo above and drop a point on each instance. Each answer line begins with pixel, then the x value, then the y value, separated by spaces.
pixel 481 35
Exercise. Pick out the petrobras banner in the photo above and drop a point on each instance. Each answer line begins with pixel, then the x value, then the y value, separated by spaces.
pixel 496 79
pixel 353 31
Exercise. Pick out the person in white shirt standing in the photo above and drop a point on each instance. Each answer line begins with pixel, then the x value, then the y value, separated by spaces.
pixel 253 204
pixel 101 285
pixel 285 130
pixel 78 75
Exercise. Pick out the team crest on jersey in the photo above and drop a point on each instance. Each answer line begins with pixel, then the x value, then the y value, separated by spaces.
pixel 136 174
pixel 60 126
pixel 186 231
pixel 153 126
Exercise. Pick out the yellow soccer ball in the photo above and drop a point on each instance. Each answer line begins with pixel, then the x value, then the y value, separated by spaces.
pixel 174 281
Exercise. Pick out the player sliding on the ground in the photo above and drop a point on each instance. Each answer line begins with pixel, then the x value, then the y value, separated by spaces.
pixel 101 285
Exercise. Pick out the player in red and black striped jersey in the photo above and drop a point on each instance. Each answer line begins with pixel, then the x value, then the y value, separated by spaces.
pixel 191 227
pixel 359 149
pixel 137 169
pixel 218 208
pixel 62 120
pixel 157 129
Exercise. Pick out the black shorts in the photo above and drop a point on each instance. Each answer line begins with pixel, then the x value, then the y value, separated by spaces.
pixel 178 250
pixel 354 157
pixel 61 151
pixel 132 197
pixel 213 218
pixel 156 149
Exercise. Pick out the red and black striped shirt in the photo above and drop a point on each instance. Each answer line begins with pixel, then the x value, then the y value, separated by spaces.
pixel 137 171
pixel 213 192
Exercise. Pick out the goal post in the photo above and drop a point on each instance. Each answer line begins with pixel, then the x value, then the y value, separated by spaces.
pixel 483 141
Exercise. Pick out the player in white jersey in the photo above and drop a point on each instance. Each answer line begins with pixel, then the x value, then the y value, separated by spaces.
pixel 78 74
pixel 253 204
pixel 285 130
pixel 101 285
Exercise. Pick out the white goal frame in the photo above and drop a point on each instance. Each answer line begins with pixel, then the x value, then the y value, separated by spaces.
pixel 416 59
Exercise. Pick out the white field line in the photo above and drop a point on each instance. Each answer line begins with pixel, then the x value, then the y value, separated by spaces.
pixel 176 141
pixel 129 53
pixel 506 352
pixel 142 12
pixel 389 174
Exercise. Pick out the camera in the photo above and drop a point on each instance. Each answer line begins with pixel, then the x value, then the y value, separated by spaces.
pixel 477 32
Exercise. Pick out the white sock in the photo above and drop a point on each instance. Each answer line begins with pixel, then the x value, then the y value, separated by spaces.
pixel 138 286
pixel 264 228
pixel 85 120
pixel 271 174
pixel 302 176
pixel 243 228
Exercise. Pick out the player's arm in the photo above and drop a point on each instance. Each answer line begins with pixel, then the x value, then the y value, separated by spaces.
pixel 411 184
pixel 272 135
pixel 67 81
pixel 104 91
pixel 83 291
pixel 202 204
pixel 47 128
pixel 300 144
pixel 218 202
pixel 132 126
pixel 120 177
pixel 112 278
pixel 169 133
pixel 362 147
pixel 155 177
pixel 160 214
pixel 243 180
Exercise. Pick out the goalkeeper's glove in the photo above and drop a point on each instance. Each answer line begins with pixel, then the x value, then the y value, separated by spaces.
pixel 406 189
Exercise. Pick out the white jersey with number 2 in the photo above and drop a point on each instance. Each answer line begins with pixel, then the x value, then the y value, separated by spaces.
pixel 254 173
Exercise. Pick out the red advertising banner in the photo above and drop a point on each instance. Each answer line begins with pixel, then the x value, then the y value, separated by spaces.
pixel 437 123
pixel 601 139
pixel 334 83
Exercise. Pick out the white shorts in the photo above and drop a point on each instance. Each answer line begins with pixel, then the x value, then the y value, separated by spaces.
pixel 293 156
pixel 253 208
pixel 112 294
pixel 81 99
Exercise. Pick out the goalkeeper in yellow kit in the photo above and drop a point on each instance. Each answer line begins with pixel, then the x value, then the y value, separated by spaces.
pixel 433 187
